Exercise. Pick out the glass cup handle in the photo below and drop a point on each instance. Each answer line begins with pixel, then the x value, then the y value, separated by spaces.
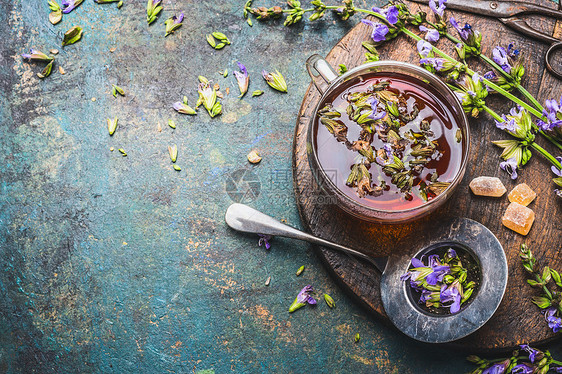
pixel 321 72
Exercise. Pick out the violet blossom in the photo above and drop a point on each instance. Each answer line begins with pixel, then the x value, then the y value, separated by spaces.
pixel 379 30
pixel 436 62
pixel 553 114
pixel 498 368
pixel 424 48
pixel 507 124
pixel 264 240
pixel 374 107
pixel 451 295
pixel 173 23
pixel 437 7
pixel 533 353
pixel 510 166
pixel 431 35
pixel 523 368
pixel 304 297
pixel 390 14
pixel 35 55
pixel 555 323
pixel 242 78
pixel 69 5
pixel 468 35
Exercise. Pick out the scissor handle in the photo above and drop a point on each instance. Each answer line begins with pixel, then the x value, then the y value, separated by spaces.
pixel 523 27
pixel 548 57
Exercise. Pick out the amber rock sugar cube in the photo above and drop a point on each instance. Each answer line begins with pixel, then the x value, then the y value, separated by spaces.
pixel 522 194
pixel 518 218
pixel 487 186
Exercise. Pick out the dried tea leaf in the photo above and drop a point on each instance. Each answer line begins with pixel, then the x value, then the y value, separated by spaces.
pixel 328 299
pixel 177 168
pixel 211 40
pixel 268 281
pixel 172 124
pixel 112 126
pixel 118 90
pixel 300 271
pixel 357 337
pixel 72 36
pixel 61 70
pixel 122 152
pixel 46 71
pixel 55 17
pixel 54 51
pixel 173 151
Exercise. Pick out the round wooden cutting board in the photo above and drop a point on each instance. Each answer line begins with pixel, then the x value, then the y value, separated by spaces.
pixel 517 320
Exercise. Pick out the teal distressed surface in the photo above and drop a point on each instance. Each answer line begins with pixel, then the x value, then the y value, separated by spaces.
pixel 121 264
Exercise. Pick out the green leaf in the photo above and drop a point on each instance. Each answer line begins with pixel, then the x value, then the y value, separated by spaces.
pixel 541 302
pixel 558 181
pixel 172 124
pixel 47 70
pixel 300 270
pixel 72 36
pixel 112 126
pixel 211 40
pixel 257 93
pixel 295 305
pixel 328 299
pixel 555 276
pixel 173 151
pixel 357 337
pixel 546 274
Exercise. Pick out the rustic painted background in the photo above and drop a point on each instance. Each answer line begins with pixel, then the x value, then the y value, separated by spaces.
pixel 121 264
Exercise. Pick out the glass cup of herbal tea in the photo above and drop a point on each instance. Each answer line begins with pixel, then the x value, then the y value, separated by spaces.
pixel 388 140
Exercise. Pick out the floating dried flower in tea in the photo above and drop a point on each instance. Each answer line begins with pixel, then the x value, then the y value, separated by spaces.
pixel 392 144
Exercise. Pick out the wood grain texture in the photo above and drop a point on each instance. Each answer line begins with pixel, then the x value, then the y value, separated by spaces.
pixel 517 320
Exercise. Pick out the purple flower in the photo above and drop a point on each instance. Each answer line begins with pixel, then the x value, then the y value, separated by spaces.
pixel 424 48
pixel 531 351
pixel 498 368
pixel 437 8
pixel 35 55
pixel 374 107
pixel 425 296
pixel 510 166
pixel 436 62
pixel 178 19
pixel 69 5
pixel 554 322
pixel 451 253
pixel 558 193
pixel 523 368
pixel 507 124
pixel 555 170
pixel 242 78
pixel 467 34
pixel 553 114
pixel 264 240
pixel 500 57
pixel 490 75
pixel 431 35
pixel 379 30
pixel 304 297
pixel 451 295
pixel 390 14
pixel 558 369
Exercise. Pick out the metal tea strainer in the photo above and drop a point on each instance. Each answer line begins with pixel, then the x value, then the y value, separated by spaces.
pixel 460 233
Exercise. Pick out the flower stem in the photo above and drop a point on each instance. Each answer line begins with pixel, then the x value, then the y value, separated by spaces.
pixel 547 155
pixel 493 113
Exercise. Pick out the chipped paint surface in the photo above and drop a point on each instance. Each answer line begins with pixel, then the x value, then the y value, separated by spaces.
pixel 112 264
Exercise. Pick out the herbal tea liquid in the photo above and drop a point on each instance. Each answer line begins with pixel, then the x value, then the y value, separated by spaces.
pixel 388 142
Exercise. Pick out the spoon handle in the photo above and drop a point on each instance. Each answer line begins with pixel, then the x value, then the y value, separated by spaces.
pixel 241 217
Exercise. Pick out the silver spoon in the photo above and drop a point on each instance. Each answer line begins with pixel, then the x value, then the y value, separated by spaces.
pixel 403 311
pixel 241 217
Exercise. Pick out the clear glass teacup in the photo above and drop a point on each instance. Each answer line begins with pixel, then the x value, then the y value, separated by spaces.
pixel 329 84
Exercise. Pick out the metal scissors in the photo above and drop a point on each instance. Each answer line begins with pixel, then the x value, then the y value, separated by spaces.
pixel 508 13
